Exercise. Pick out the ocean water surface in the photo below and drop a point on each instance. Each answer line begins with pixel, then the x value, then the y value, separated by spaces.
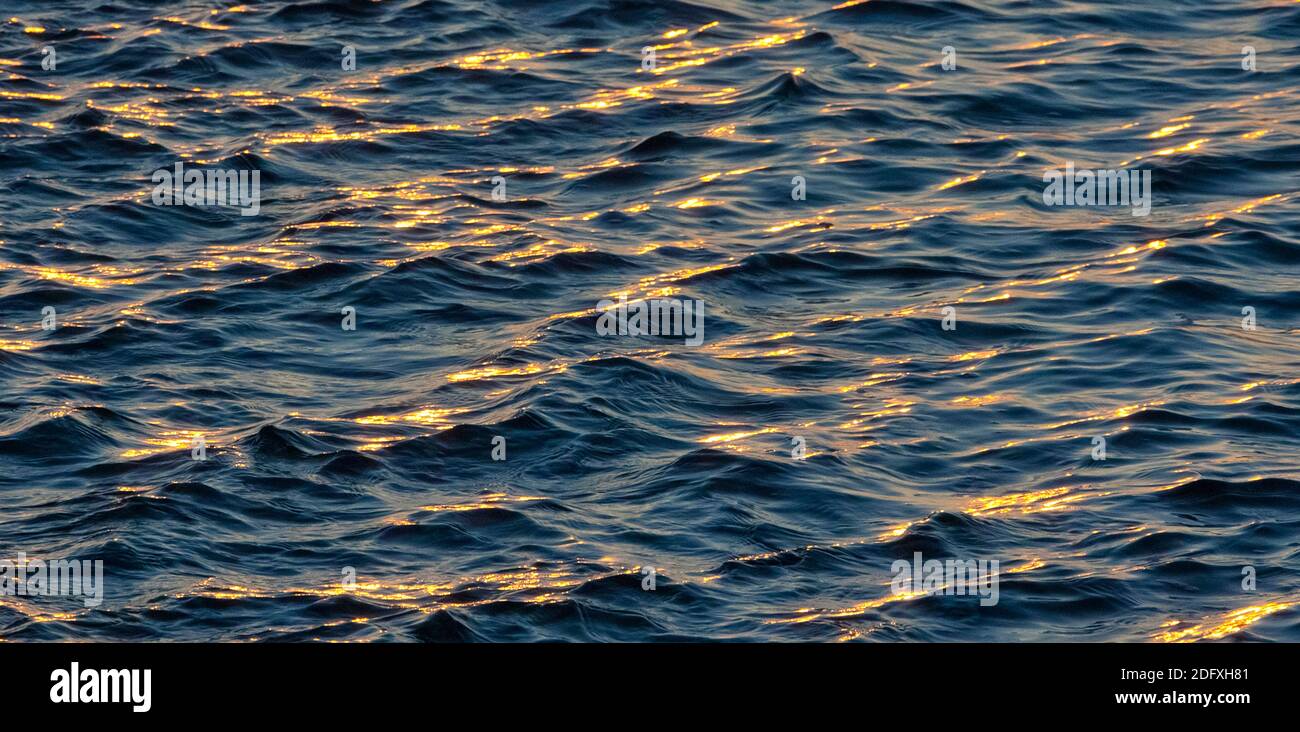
pixel 367 453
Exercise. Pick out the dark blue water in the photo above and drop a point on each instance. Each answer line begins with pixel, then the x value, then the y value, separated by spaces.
pixel 329 449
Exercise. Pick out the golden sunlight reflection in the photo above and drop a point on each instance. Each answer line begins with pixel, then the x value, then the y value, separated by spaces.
pixel 486 501
pixel 733 436
pixel 810 614
pixel 533 584
pixel 683 54
pixel 36 614
pixel 1222 626
pixel 427 416
pixel 492 372
pixel 167 441
pixel 1049 499
pixel 638 218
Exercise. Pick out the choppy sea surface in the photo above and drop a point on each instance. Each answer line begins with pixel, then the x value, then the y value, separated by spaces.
pixel 369 451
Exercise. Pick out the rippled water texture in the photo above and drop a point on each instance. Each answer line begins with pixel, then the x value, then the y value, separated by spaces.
pixel 330 449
